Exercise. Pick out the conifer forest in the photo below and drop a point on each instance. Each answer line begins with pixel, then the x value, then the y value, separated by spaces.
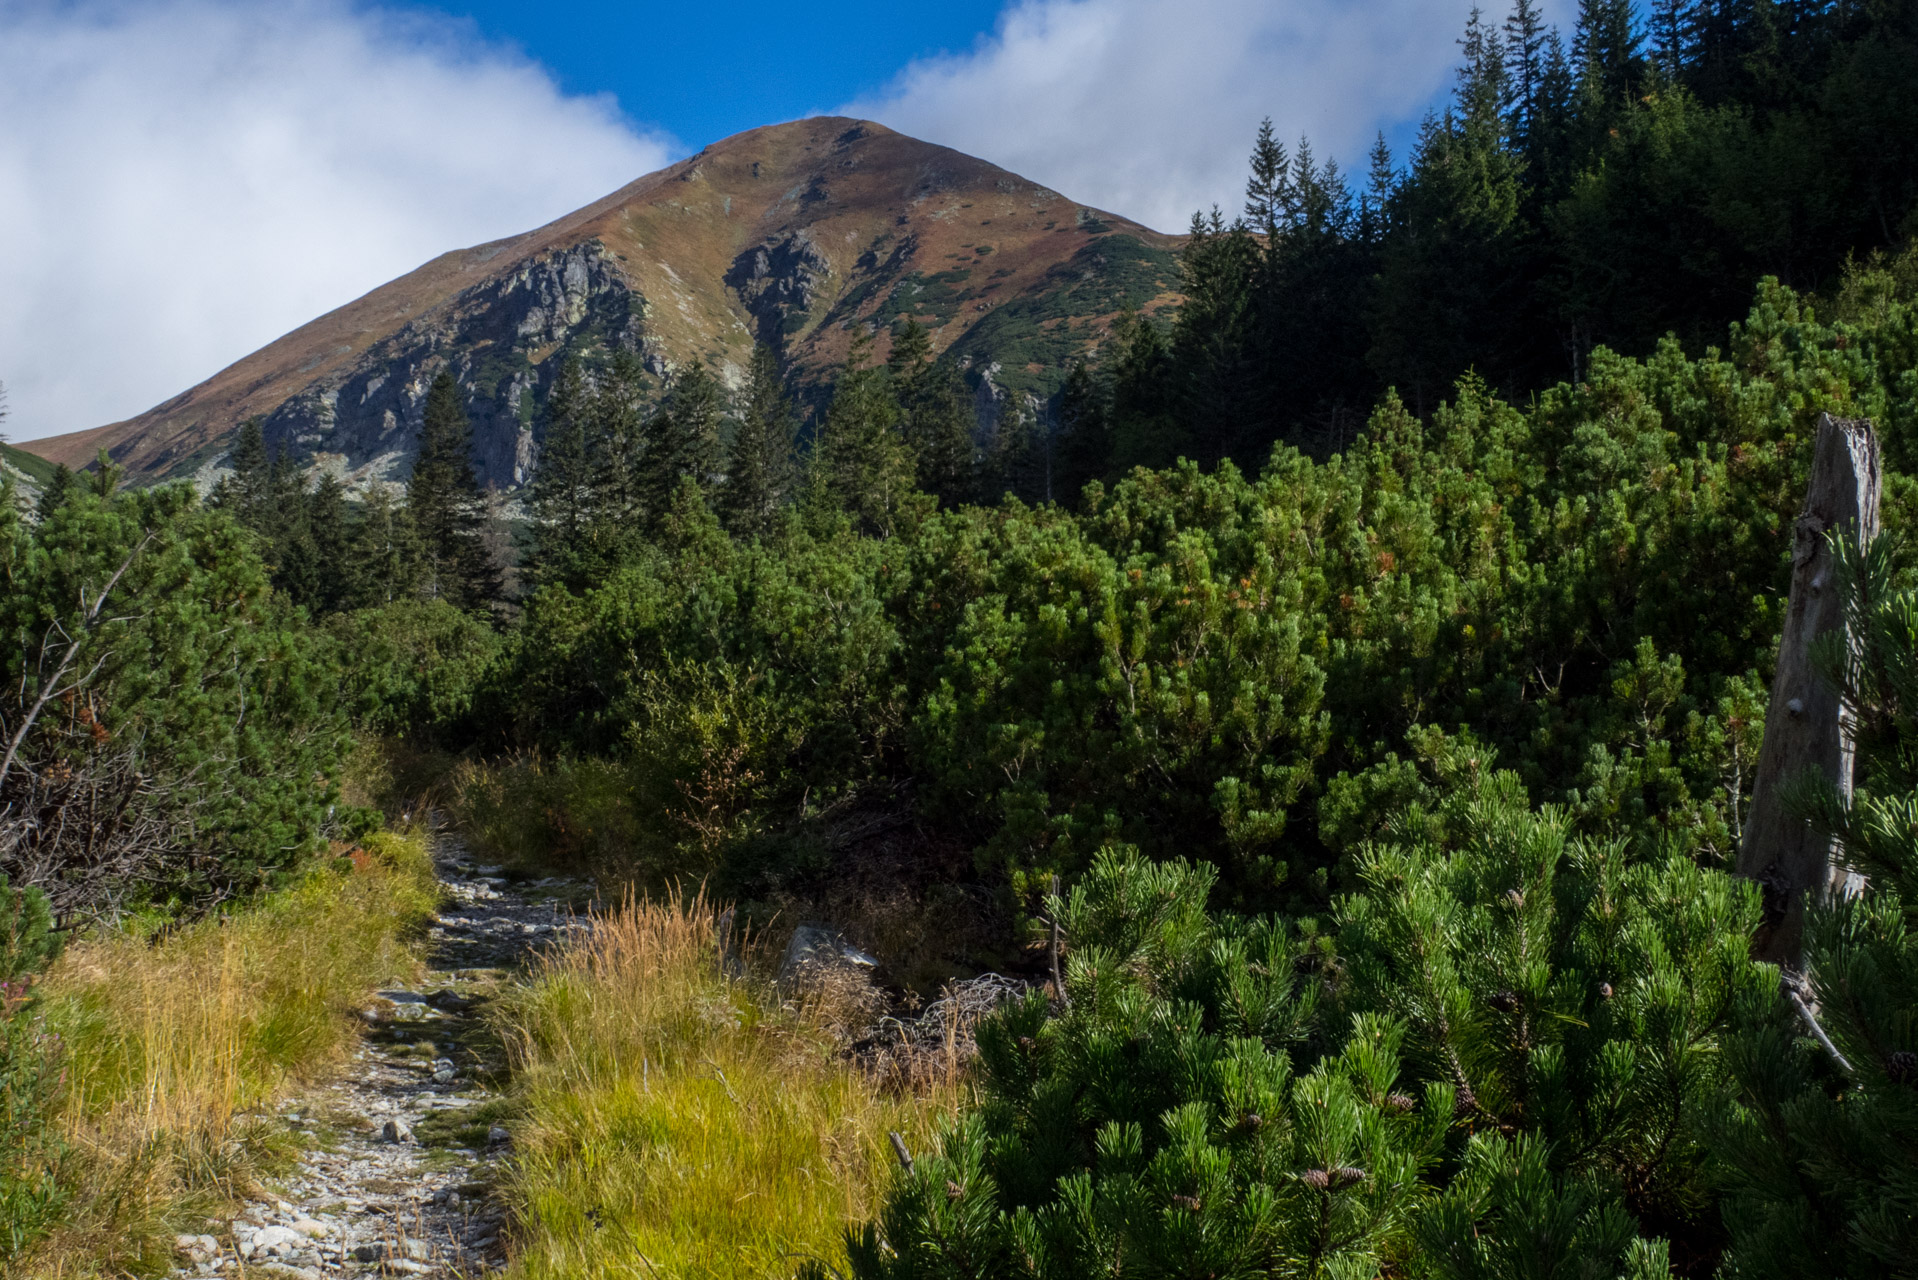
pixel 1333 715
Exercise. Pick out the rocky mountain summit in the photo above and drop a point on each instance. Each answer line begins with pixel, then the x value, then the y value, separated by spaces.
pixel 793 235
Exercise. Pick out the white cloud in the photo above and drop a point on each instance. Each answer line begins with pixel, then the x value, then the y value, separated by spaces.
pixel 182 181
pixel 1148 107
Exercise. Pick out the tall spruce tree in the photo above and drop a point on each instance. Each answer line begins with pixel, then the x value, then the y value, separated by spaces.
pixel 384 552
pixel 760 466
pixel 936 415
pixel 448 512
pixel 1019 464
pixel 1526 36
pixel 628 488
pixel 862 464
pixel 329 538
pixel 1268 195
pixel 683 439
pixel 1084 449
pixel 563 495
pixel 1222 396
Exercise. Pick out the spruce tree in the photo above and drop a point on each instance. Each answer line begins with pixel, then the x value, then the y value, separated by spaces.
pixel 252 472
pixel 58 488
pixel 447 510
pixel 1222 396
pixel 1268 194
pixel 760 467
pixel 862 464
pixel 1605 48
pixel 1525 51
pixel 1084 450
pixel 384 552
pixel 936 415
pixel 1019 463
pixel 329 535
pixel 683 439
pixel 628 492
pixel 563 494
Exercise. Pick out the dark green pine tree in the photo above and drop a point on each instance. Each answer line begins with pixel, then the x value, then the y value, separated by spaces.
pixel 623 428
pixel 1018 464
pixel 1605 49
pixel 1671 28
pixel 1381 181
pixel 1083 452
pixel 252 470
pixel 564 493
pixel 1145 425
pixel 383 556
pixel 59 487
pixel 1526 36
pixel 1222 405
pixel 329 535
pixel 760 467
pixel 683 439
pixel 937 418
pixel 862 465
pixel 281 521
pixel 448 511
pixel 1268 196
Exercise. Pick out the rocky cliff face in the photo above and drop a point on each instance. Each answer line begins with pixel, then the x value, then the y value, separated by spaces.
pixel 795 235
pixel 504 341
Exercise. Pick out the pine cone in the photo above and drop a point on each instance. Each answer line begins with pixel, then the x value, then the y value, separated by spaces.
pixel 1317 1179
pixel 1466 1102
pixel 1251 1120
pixel 953 1190
pixel 1503 1001
pixel 1189 1203
pixel 1902 1067
pixel 1345 1176
pixel 1400 1103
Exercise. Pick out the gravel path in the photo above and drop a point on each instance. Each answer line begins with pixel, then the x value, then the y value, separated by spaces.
pixel 399 1159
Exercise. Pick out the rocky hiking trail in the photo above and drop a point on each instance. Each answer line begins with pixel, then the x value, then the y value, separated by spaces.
pixel 398 1158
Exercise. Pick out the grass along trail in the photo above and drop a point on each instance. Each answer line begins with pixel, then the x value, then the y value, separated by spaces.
pixel 401 1157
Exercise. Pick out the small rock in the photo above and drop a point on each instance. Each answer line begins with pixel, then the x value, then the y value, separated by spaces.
pixel 396 1131
pixel 368 1252
pixel 312 1229
pixel 498 1136
pixel 275 1238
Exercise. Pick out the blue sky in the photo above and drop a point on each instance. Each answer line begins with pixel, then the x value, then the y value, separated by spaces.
pixel 704 71
pixel 182 181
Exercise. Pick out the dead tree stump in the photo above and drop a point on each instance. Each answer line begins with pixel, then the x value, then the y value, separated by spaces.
pixel 1807 728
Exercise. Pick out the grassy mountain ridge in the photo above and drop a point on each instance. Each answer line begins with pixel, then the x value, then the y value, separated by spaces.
pixel 790 234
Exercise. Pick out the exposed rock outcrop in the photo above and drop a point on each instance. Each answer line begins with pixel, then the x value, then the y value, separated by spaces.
pixel 504 341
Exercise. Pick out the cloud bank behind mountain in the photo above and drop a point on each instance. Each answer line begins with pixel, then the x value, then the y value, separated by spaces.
pixel 181 181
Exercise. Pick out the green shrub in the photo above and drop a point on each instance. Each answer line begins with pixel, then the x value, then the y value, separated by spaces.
pixel 31 1192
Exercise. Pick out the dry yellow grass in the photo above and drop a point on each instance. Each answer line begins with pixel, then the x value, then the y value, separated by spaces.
pixel 172 1046
pixel 680 1124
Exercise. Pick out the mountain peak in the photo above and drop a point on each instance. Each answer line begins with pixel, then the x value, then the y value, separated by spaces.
pixel 789 234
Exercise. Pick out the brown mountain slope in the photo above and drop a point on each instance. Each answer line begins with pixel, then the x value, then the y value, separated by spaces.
pixel 787 234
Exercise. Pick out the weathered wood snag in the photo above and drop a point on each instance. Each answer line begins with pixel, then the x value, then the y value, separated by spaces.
pixel 1807 728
